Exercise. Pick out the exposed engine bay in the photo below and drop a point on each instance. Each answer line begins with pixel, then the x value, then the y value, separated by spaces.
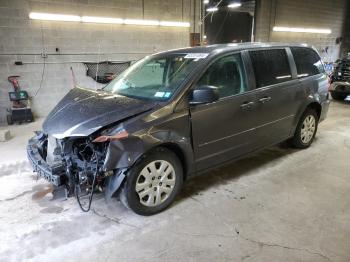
pixel 83 147
pixel 76 164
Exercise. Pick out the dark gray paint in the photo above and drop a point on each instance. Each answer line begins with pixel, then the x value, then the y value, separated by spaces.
pixel 81 112
pixel 203 135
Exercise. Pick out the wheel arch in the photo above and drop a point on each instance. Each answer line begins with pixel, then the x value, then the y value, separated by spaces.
pixel 315 105
pixel 179 152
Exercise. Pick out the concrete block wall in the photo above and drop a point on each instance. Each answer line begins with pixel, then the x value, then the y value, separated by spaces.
pixel 301 13
pixel 22 39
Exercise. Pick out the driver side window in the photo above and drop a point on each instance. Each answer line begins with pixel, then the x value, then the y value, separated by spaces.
pixel 227 75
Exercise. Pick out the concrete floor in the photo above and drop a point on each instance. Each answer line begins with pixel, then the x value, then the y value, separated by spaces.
pixel 277 205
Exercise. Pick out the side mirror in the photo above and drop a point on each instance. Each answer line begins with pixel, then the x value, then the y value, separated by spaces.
pixel 203 95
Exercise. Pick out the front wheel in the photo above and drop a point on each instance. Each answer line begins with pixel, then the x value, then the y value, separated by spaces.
pixel 306 129
pixel 153 183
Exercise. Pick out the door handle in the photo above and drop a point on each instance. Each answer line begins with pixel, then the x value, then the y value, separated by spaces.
pixel 265 99
pixel 247 105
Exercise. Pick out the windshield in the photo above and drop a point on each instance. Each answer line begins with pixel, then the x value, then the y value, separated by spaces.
pixel 154 77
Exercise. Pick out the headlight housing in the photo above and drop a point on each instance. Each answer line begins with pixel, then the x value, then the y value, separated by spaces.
pixel 120 134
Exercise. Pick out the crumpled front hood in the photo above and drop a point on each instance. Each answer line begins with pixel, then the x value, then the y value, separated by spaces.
pixel 82 112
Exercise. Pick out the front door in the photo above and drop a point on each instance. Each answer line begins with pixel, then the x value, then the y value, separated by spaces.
pixel 224 129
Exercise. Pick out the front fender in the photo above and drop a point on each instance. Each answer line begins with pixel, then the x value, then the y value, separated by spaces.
pixel 125 152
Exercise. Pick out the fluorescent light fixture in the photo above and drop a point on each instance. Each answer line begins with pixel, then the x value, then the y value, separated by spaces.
pixel 171 23
pixel 205 2
pixel 212 9
pixel 54 17
pixel 103 20
pixel 234 5
pixel 301 30
pixel 140 22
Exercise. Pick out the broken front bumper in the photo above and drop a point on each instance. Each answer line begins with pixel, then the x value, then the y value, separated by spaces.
pixel 53 174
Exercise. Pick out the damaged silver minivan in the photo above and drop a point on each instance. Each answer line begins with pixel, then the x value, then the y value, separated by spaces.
pixel 178 113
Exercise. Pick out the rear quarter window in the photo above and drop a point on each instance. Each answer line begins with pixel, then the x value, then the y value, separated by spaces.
pixel 270 67
pixel 307 61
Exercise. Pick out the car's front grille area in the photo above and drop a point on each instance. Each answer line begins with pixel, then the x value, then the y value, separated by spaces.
pixel 342 71
pixel 53 150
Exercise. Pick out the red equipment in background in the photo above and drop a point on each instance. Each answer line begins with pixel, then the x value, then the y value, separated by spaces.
pixel 20 110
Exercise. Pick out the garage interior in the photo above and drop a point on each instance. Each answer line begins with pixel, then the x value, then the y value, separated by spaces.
pixel 279 204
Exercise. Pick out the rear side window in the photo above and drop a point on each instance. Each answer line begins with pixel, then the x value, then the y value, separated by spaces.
pixel 270 67
pixel 307 61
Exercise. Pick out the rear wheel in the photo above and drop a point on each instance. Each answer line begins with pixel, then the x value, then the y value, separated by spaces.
pixel 153 183
pixel 306 129
pixel 337 96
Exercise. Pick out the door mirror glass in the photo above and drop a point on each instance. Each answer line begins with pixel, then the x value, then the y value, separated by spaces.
pixel 204 94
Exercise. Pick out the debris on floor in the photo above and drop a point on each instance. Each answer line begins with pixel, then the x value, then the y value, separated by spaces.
pixel 5 135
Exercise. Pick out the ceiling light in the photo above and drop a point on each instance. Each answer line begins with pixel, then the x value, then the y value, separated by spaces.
pixel 205 2
pixel 54 17
pixel 301 30
pixel 140 22
pixel 212 9
pixel 103 20
pixel 234 5
pixel 178 24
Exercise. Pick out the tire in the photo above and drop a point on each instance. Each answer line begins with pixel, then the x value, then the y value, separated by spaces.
pixel 147 194
pixel 9 120
pixel 337 96
pixel 305 131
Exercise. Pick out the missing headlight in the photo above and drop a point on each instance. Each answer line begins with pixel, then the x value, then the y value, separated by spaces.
pixel 87 159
